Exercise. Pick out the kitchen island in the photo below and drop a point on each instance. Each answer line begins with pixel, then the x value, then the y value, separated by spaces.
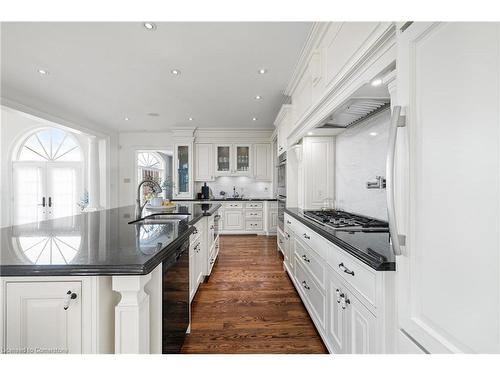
pixel 94 282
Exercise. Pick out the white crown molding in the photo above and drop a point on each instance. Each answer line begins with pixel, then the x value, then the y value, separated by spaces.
pixel 51 120
pixel 285 108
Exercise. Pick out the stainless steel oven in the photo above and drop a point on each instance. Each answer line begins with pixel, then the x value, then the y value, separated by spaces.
pixel 281 187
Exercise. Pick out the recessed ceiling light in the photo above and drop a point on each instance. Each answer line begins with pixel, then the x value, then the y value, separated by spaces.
pixel 373 134
pixel 376 82
pixel 310 133
pixel 258 97
pixel 175 72
pixel 153 114
pixel 43 71
pixel 262 71
pixel 149 25
pixel 190 119
pixel 254 119
pixel 126 118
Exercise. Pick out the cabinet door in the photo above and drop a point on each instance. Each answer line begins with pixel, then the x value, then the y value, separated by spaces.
pixel 448 168
pixel 192 273
pixel 287 246
pixel 37 320
pixel 223 162
pixel 318 166
pixel 204 162
pixel 263 170
pixel 361 327
pixel 242 160
pixel 233 220
pixel 335 318
pixel 183 175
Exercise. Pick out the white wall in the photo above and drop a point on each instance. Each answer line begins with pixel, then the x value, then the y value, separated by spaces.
pixel 244 185
pixel 359 158
pixel 15 124
pixel 129 143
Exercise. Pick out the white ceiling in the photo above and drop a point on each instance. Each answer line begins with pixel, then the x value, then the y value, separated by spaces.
pixel 104 72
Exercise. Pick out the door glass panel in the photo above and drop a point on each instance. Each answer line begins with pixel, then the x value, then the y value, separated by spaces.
pixel 28 194
pixel 183 171
pixel 63 198
pixel 223 158
pixel 242 158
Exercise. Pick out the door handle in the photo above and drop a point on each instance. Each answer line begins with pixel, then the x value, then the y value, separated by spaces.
pixel 50 201
pixel 396 121
pixel 43 202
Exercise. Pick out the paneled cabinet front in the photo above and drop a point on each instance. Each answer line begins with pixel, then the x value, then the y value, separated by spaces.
pixel 204 162
pixel 233 220
pixel 43 317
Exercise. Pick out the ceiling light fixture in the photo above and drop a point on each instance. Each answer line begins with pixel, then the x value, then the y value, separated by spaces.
pixel 175 72
pixel 376 82
pixel 190 119
pixel 373 134
pixel 254 119
pixel 262 71
pixel 126 118
pixel 43 71
pixel 153 114
pixel 258 97
pixel 149 25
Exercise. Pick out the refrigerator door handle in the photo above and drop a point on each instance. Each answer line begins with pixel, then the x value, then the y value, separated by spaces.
pixel 397 120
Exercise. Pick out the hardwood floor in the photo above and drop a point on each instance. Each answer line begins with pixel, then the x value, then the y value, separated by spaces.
pixel 249 304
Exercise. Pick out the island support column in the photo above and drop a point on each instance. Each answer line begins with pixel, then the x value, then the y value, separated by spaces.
pixel 132 326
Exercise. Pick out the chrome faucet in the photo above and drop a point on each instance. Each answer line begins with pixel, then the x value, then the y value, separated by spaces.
pixel 138 207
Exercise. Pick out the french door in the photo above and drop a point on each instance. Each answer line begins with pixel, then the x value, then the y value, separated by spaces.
pixel 45 190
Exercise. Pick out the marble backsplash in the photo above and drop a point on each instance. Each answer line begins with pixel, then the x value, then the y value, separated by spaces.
pixel 244 185
pixel 360 156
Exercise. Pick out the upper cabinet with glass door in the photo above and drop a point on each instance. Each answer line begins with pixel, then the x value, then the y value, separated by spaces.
pixel 183 177
pixel 233 160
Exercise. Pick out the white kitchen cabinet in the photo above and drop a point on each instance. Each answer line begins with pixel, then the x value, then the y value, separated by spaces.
pixel 336 324
pixel 234 220
pixel 318 167
pixel 233 160
pixel 38 320
pixel 204 162
pixel 283 127
pixel 263 169
pixel 447 173
pixel 183 171
pixel 361 326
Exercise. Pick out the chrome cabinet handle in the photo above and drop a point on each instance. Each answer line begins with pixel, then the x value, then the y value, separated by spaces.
pixel 345 269
pixel 306 236
pixel 396 121
pixel 195 231
pixel 306 259
pixel 69 296
pixel 304 284
pixel 288 222
pixel 287 235
pixel 344 302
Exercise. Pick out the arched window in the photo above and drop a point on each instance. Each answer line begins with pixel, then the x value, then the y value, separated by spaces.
pixel 47 176
pixel 150 166
pixel 51 144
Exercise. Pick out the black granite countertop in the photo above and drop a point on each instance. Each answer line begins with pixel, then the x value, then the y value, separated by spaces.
pixel 95 243
pixel 372 248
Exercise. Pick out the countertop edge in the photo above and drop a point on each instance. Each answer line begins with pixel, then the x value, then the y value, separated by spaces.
pixel 351 250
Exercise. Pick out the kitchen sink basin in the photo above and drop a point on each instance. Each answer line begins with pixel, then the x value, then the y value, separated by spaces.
pixel 163 218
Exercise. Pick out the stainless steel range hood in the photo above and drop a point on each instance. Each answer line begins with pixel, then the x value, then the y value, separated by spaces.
pixel 353 111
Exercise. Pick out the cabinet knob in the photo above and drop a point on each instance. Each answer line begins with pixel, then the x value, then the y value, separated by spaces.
pixel 69 296
pixel 288 222
pixel 306 236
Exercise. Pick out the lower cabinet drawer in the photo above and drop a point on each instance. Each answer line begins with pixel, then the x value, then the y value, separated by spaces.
pixel 253 225
pixel 314 295
pixel 253 214
pixel 254 205
pixel 310 261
